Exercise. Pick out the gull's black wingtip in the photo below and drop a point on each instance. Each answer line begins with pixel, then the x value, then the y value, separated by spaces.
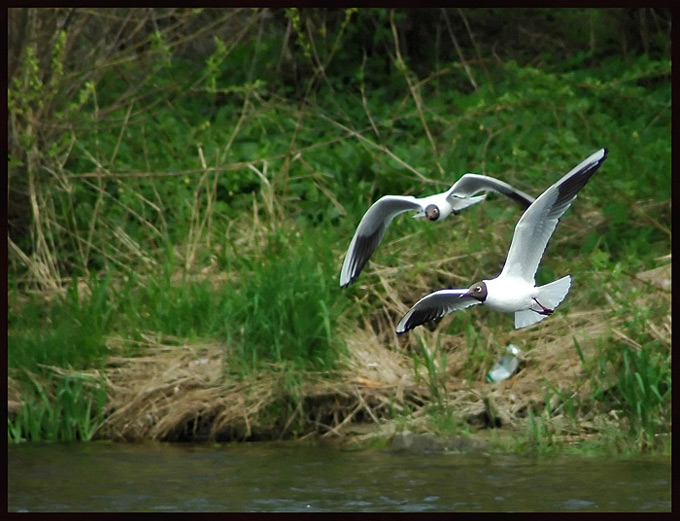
pixel 605 152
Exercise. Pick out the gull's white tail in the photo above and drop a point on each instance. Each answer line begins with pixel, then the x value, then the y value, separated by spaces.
pixel 550 295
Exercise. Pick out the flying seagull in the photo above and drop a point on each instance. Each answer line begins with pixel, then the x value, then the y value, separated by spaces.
pixel 436 207
pixel 514 290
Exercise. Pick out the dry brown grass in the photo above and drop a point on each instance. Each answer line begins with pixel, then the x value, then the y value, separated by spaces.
pixel 183 392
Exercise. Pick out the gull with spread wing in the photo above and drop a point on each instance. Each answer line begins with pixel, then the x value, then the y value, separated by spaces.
pixel 435 207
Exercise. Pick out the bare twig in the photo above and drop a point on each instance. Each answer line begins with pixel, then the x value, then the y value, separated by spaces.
pixel 415 93
pixel 379 147
pixel 364 101
pixel 459 51
pixel 476 46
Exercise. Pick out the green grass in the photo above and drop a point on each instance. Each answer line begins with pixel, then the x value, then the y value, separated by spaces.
pixel 285 307
pixel 67 331
pixel 64 409
pixel 278 308
pixel 435 372
pixel 214 199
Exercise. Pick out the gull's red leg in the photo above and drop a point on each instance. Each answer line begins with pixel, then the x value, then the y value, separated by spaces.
pixel 544 310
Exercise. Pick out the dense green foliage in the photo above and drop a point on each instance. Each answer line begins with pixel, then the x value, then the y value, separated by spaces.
pixel 148 155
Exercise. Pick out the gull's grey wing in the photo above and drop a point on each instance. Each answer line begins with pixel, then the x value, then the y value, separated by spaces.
pixel 434 306
pixel 470 184
pixel 537 224
pixel 370 231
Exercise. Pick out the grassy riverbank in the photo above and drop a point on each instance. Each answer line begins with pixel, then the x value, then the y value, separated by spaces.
pixel 182 195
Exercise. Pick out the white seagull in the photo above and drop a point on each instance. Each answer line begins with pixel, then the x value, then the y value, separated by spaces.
pixel 514 290
pixel 435 207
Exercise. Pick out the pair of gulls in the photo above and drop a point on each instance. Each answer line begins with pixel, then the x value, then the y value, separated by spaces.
pixel 514 289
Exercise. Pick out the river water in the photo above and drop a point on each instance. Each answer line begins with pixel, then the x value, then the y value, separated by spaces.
pixel 247 477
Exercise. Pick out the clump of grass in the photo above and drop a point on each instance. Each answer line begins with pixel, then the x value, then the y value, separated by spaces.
pixel 540 433
pixel 435 372
pixel 162 305
pixel 644 385
pixel 632 374
pixel 284 307
pixel 67 330
pixel 637 385
pixel 65 408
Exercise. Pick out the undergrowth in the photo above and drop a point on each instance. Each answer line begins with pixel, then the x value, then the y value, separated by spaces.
pixel 204 184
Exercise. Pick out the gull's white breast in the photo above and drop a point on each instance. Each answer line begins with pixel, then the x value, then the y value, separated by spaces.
pixel 509 294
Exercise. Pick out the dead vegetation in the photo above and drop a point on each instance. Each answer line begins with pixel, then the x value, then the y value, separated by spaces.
pixel 182 392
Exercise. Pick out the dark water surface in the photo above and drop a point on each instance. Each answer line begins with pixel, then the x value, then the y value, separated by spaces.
pixel 157 477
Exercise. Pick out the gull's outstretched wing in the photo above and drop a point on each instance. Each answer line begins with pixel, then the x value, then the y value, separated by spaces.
pixel 371 230
pixel 434 306
pixel 460 194
pixel 538 222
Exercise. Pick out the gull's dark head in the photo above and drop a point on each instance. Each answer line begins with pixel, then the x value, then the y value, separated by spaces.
pixel 432 212
pixel 477 290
